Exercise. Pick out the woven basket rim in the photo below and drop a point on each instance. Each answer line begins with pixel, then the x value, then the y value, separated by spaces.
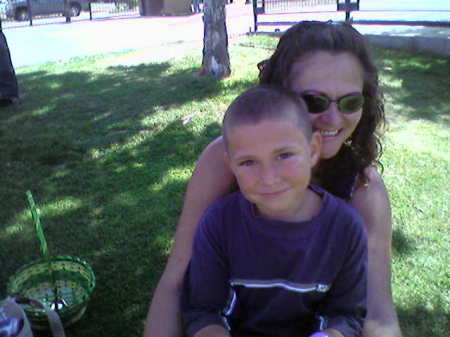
pixel 57 258
pixel 91 281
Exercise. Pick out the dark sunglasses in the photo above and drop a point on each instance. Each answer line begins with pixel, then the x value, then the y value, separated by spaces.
pixel 347 104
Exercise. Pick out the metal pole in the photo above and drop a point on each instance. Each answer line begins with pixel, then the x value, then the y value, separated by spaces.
pixel 66 11
pixel 347 10
pixel 255 16
pixel 30 15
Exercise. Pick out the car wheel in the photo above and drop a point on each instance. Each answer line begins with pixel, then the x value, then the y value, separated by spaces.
pixel 74 9
pixel 21 14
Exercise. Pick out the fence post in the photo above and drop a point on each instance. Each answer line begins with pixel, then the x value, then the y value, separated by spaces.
pixel 258 10
pixel 255 16
pixel 90 10
pixel 30 14
pixel 347 10
pixel 348 6
pixel 66 11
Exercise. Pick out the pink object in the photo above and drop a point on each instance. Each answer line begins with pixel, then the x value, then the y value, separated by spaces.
pixel 11 327
pixel 320 334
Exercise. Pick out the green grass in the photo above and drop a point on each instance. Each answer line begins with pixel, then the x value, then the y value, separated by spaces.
pixel 108 143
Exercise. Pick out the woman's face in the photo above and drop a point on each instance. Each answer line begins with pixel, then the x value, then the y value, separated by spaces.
pixel 334 75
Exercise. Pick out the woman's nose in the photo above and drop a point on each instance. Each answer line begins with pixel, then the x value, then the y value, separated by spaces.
pixel 332 115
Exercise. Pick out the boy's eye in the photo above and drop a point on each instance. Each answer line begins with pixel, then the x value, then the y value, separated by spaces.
pixel 246 163
pixel 285 155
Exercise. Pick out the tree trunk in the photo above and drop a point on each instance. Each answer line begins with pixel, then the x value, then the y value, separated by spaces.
pixel 9 89
pixel 216 60
pixel 152 7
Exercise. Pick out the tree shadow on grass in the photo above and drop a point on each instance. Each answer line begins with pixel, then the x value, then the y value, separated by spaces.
pixel 418 83
pixel 401 244
pixel 422 321
pixel 64 117
pixel 109 186
pixel 122 224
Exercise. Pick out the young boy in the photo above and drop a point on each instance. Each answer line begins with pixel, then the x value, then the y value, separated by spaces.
pixel 278 258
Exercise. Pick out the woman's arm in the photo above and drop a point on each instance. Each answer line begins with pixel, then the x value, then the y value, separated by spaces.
pixel 372 202
pixel 211 180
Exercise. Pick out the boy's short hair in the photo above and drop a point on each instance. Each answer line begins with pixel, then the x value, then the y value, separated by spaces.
pixel 264 103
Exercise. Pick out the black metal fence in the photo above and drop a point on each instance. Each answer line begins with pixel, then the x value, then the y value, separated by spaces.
pixel 277 9
pixel 288 12
pixel 282 6
pixel 16 13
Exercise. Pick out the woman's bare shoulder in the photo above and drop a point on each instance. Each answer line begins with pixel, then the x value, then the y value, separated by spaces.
pixel 213 154
pixel 371 187
pixel 216 145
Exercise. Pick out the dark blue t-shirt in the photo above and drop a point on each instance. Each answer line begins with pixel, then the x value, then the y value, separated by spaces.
pixel 259 277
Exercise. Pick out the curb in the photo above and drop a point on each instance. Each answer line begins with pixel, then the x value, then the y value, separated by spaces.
pixel 437 46
pixel 412 44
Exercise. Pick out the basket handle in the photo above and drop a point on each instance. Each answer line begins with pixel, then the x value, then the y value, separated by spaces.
pixel 54 320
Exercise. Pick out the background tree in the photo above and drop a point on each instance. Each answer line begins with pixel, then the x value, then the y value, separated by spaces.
pixel 216 60
pixel 9 90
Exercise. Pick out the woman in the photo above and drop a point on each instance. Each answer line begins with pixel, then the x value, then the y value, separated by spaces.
pixel 328 65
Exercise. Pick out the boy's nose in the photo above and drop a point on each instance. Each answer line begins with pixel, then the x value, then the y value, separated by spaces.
pixel 269 175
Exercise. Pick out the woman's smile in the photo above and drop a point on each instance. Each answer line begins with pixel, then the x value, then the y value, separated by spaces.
pixel 328 133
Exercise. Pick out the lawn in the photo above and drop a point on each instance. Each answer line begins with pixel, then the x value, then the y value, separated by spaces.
pixel 107 145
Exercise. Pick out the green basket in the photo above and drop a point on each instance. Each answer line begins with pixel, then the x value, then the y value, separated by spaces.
pixel 74 280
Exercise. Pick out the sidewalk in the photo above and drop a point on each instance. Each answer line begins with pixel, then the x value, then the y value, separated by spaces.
pixel 414 39
pixel 46 43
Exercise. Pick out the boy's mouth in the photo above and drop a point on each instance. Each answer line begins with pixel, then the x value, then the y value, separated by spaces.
pixel 272 194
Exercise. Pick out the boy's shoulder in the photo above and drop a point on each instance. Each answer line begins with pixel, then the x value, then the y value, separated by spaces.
pixel 229 202
pixel 223 217
pixel 225 209
pixel 338 211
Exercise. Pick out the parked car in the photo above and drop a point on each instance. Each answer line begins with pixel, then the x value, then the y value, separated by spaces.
pixel 3 5
pixel 18 9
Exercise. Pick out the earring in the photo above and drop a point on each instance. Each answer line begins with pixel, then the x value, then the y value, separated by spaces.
pixel 348 142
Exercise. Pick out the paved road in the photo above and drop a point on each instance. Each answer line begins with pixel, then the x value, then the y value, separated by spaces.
pixel 40 44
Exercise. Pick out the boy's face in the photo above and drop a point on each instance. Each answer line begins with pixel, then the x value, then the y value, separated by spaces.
pixel 272 162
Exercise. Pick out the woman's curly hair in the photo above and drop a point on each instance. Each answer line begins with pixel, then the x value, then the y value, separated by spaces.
pixel 338 173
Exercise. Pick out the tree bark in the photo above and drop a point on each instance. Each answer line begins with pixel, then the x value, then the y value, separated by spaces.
pixel 9 90
pixel 216 60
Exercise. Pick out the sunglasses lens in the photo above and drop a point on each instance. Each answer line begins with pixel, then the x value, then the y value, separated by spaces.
pixel 316 103
pixel 351 103
pixel 347 104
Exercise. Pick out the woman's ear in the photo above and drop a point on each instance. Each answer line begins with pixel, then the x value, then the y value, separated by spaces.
pixel 316 146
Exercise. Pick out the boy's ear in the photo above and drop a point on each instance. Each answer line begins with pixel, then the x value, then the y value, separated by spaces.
pixel 316 146
pixel 226 158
